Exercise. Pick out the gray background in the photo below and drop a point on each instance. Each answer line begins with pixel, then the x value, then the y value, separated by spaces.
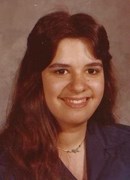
pixel 17 17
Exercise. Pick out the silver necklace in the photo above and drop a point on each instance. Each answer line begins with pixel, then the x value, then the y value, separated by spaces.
pixel 74 150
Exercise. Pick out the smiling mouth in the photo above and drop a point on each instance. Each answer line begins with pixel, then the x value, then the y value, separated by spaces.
pixel 76 102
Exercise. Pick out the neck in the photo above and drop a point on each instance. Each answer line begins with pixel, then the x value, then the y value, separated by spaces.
pixel 71 138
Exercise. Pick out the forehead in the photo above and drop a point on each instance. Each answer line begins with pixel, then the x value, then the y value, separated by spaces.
pixel 67 43
pixel 74 50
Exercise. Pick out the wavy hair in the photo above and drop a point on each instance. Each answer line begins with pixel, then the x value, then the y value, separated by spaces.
pixel 31 132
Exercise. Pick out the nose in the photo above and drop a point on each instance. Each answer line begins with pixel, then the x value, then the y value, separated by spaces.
pixel 78 84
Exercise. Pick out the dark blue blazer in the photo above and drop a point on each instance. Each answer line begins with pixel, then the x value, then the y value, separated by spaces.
pixel 107 153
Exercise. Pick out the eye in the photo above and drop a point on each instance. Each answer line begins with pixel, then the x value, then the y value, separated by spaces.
pixel 61 71
pixel 92 71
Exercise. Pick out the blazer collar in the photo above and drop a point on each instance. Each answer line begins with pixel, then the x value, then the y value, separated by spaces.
pixel 103 145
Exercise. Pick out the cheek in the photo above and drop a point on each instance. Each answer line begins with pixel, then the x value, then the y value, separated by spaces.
pixel 52 88
pixel 98 87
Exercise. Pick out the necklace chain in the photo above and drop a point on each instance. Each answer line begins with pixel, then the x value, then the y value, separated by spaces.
pixel 74 150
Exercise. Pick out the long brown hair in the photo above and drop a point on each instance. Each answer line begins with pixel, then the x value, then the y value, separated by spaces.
pixel 31 133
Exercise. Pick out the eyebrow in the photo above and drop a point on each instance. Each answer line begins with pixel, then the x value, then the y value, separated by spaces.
pixel 55 65
pixel 58 65
pixel 94 64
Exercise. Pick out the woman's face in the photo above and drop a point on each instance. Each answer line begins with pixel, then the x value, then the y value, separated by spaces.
pixel 73 83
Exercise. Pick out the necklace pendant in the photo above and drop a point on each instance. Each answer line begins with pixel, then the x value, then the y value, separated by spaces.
pixel 75 150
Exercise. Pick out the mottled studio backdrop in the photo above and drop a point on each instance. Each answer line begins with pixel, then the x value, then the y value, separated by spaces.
pixel 17 17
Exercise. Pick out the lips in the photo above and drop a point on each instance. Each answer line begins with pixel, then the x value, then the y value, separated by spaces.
pixel 76 102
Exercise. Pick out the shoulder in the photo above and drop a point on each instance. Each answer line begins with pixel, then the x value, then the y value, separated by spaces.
pixel 115 134
pixel 114 137
pixel 10 170
pixel 112 134
pixel 112 145
pixel 3 163
pixel 7 168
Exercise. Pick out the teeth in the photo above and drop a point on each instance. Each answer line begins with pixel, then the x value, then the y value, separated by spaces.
pixel 75 101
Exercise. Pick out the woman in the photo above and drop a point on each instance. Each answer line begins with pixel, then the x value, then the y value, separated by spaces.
pixel 61 124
